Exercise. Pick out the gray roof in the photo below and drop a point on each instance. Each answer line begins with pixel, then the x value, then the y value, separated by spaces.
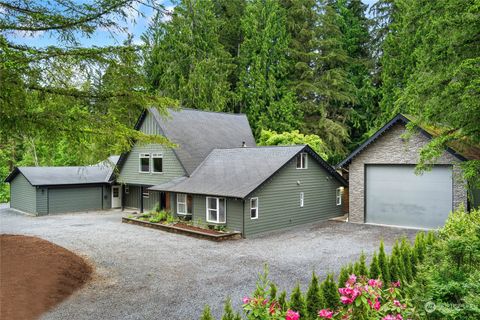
pixel 236 172
pixel 198 132
pixel 45 176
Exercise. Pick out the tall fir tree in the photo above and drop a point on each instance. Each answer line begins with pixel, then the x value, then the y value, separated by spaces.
pixel 282 300
pixel 343 277
pixel 186 60
pixel 330 294
pixel 383 263
pixel 297 301
pixel 264 90
pixel 374 271
pixel 228 313
pixel 362 265
pixel 207 313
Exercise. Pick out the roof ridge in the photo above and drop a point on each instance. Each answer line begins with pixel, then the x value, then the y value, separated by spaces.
pixel 209 111
pixel 264 147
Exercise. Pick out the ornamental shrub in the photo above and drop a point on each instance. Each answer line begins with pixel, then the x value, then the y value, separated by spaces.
pixel 314 301
pixel 343 276
pixel 207 314
pixel 406 258
pixel 362 265
pixel 297 302
pixel 282 300
pixel 383 263
pixel 374 272
pixel 419 246
pixel 228 313
pixel 329 291
pixel 273 291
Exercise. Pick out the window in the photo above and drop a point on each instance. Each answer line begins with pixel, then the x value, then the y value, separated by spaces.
pixel 115 191
pixel 302 161
pixel 253 208
pixel 127 190
pixel 302 198
pixel 144 162
pixel 216 210
pixel 146 193
pixel 339 193
pixel 184 203
pixel 157 163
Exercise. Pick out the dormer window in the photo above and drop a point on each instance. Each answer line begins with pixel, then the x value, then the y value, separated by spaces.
pixel 144 162
pixel 302 160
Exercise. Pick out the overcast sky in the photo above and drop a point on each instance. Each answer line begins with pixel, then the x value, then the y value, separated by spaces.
pixel 136 27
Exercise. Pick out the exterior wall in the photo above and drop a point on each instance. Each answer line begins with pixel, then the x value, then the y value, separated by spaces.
pixel 22 195
pixel 199 208
pixel 279 199
pixel 42 201
pixel 152 200
pixel 392 149
pixel 107 197
pixel 132 198
pixel 72 199
pixel 172 168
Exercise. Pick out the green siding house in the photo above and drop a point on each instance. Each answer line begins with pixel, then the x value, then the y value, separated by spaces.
pixel 47 190
pixel 217 175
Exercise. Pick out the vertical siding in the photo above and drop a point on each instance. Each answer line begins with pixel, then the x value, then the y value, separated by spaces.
pixel 234 212
pixel 279 199
pixel 42 201
pixel 150 202
pixel 171 166
pixel 72 199
pixel 132 198
pixel 22 194
pixel 107 197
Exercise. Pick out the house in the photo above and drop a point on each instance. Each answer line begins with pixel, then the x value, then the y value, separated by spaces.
pixel 46 190
pixel 384 189
pixel 217 175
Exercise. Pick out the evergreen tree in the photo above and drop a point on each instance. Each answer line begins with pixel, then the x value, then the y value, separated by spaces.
pixel 374 272
pixel 264 87
pixel 362 265
pixel 330 294
pixel 407 259
pixel 314 301
pixel 228 313
pixel 273 291
pixel 297 302
pixel 395 268
pixel 282 300
pixel 207 314
pixel 343 277
pixel 419 246
pixel 399 265
pixel 187 61
pixel 383 263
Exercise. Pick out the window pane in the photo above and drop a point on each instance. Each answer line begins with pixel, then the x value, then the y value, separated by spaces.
pixel 181 208
pixel 189 203
pixel 221 214
pixel 115 192
pixel 212 215
pixel 253 213
pixel 299 161
pixel 212 203
pixel 145 164
pixel 181 197
pixel 253 202
pixel 157 165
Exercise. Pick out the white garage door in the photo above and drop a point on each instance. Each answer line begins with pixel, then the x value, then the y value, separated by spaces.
pixel 396 196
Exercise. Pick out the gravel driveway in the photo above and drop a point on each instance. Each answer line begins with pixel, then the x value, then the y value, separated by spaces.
pixel 149 274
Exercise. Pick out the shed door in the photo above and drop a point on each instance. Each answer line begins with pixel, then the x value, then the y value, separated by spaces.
pixel 396 196
pixel 74 199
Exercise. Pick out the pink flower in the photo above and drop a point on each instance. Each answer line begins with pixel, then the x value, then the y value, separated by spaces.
pixel 246 300
pixel 356 292
pixel 345 291
pixel 264 302
pixel 375 283
pixel 325 313
pixel 396 284
pixel 388 317
pixel 397 303
pixel 351 280
pixel 292 315
pixel 346 300
pixel 376 306
pixel 399 317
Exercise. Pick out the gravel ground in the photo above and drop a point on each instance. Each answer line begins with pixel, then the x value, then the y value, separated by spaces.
pixel 141 273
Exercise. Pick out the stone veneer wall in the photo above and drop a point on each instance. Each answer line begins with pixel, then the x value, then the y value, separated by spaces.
pixel 390 148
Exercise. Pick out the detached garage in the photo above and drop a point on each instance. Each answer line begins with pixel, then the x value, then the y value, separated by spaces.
pixel 48 190
pixel 384 189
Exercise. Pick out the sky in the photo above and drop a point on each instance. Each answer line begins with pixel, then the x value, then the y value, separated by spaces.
pixel 136 26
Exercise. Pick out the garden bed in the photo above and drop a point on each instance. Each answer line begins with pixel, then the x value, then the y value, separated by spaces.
pixel 185 229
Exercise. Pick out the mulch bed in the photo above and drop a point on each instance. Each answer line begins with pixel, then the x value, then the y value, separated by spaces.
pixel 190 227
pixel 36 275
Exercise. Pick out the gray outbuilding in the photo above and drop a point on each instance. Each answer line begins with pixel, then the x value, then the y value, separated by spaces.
pixel 47 190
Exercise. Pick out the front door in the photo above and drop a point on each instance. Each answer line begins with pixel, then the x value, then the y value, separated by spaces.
pixel 116 197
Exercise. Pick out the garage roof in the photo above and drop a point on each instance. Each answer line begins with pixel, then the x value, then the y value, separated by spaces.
pixel 465 154
pixel 46 176
pixel 239 171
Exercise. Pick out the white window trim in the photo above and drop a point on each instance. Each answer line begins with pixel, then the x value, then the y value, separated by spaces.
pixel 256 208
pixel 303 165
pixel 186 213
pixel 338 196
pixel 144 156
pixel 156 156
pixel 302 199
pixel 217 210
pixel 146 194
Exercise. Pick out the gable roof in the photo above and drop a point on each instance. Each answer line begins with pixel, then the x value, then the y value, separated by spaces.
pixel 198 132
pixel 399 118
pixel 48 176
pixel 238 172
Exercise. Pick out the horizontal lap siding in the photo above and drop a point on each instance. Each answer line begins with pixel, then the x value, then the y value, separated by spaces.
pixel 279 199
pixel 42 201
pixel 234 212
pixel 129 172
pixel 22 194
pixel 74 199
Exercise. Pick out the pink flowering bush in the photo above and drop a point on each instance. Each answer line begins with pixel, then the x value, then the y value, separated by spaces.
pixel 369 299
pixel 262 308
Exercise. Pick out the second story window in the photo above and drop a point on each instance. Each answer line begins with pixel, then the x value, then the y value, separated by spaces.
pixel 157 163
pixel 302 160
pixel 144 162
